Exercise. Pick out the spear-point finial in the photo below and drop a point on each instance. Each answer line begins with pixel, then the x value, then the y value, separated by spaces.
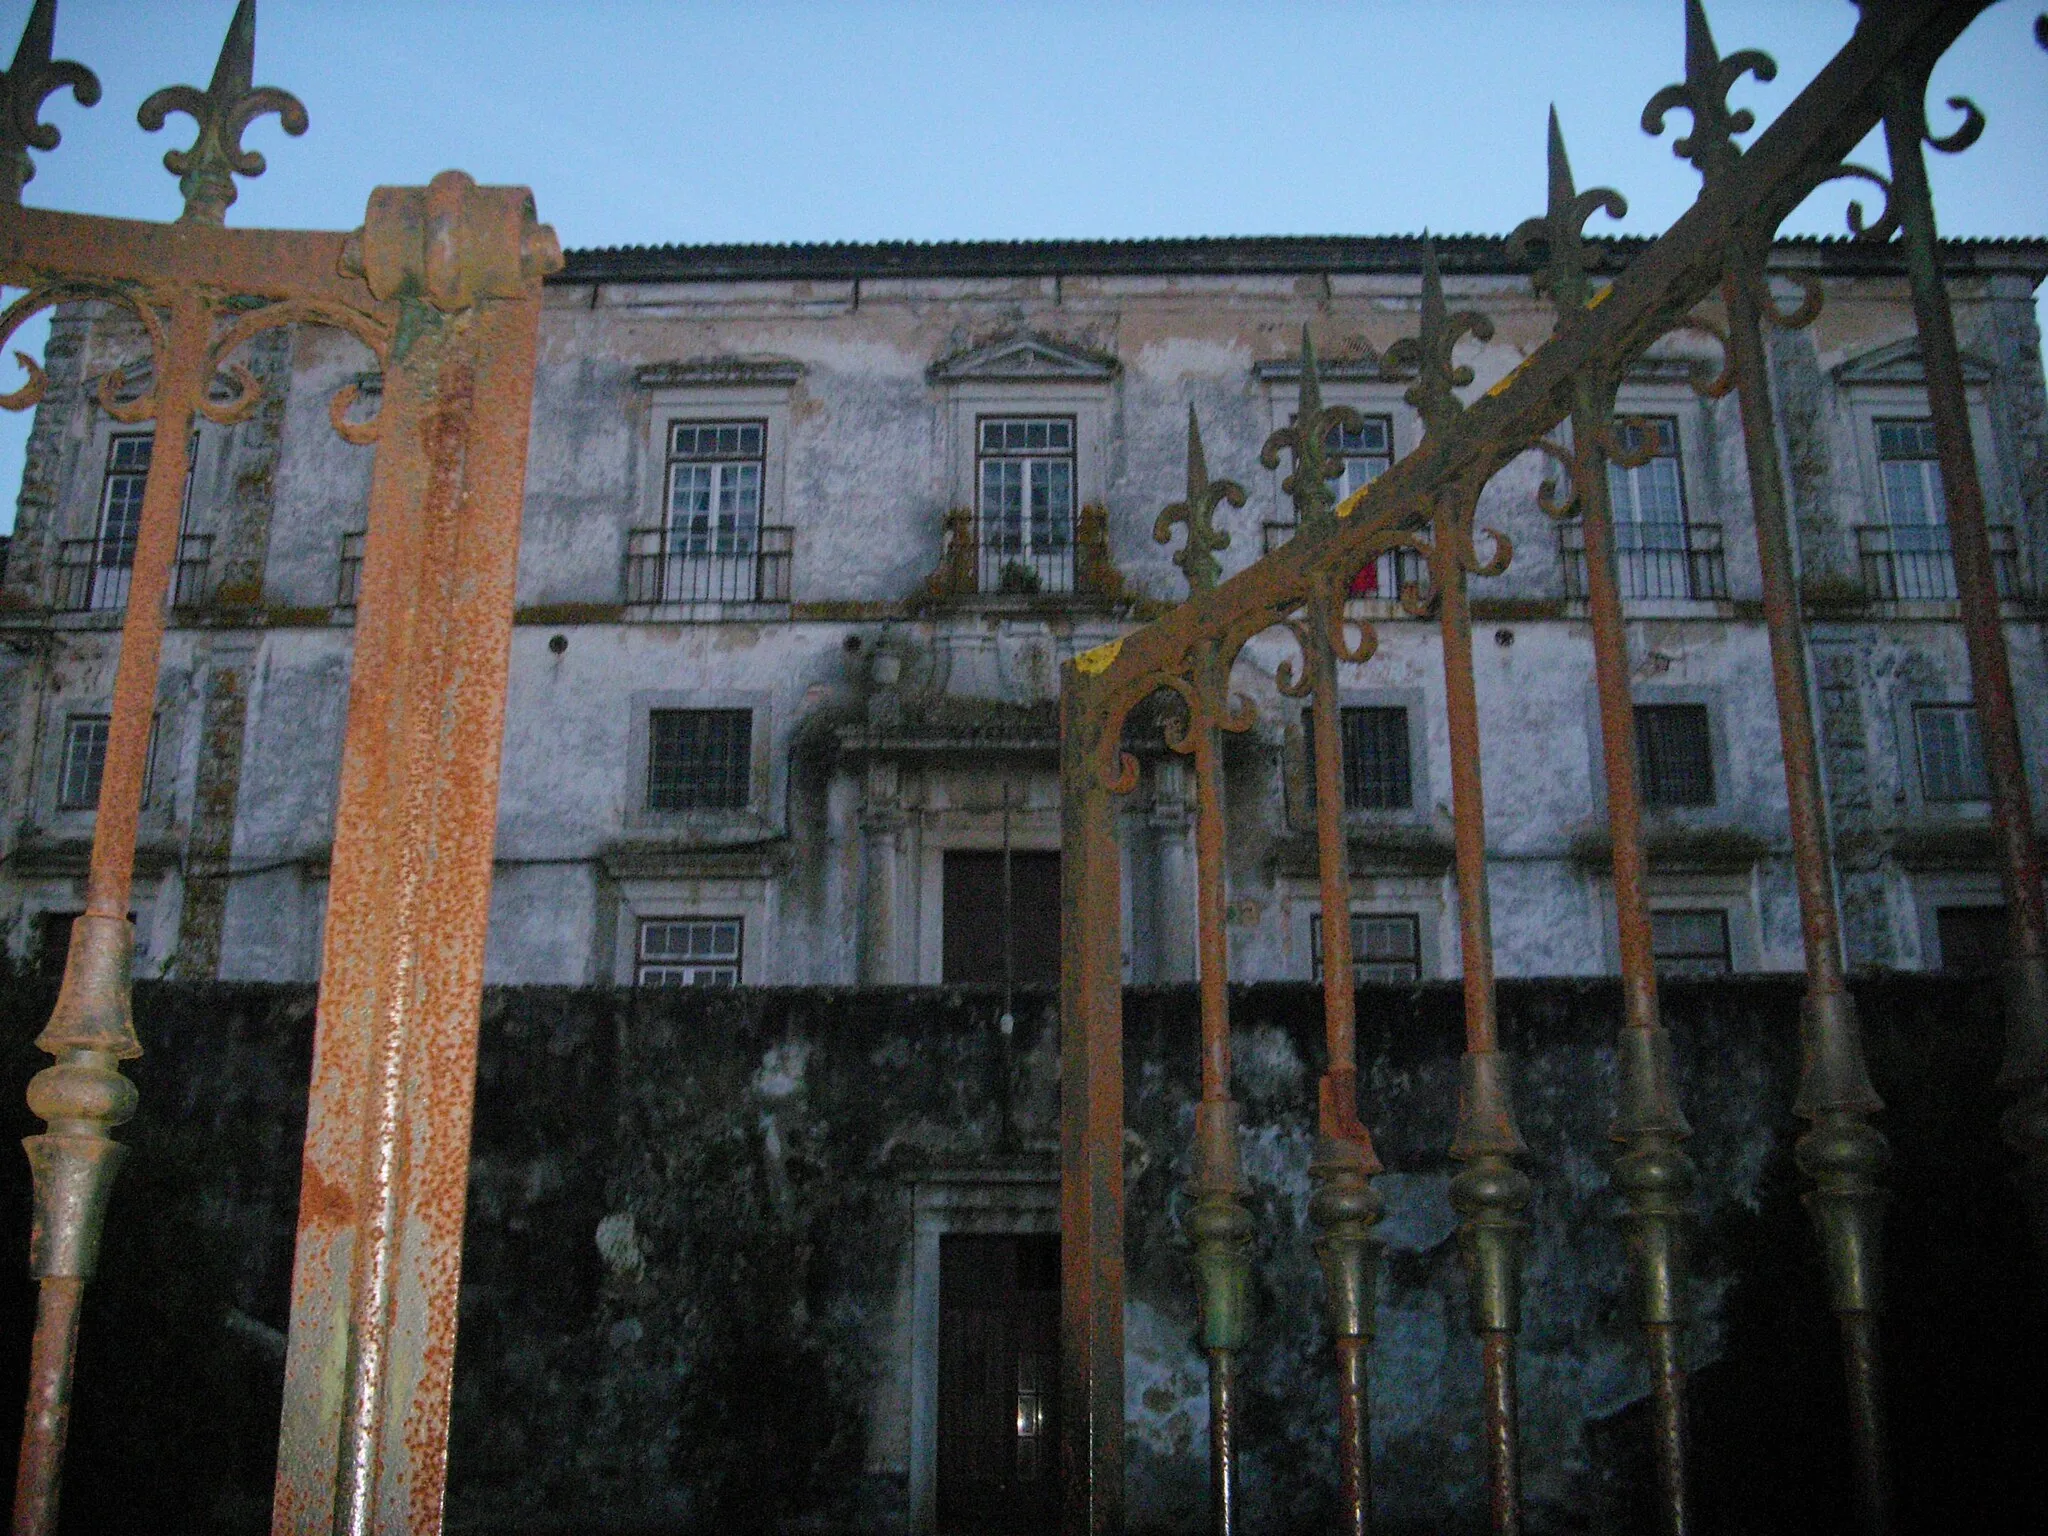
pixel 1307 440
pixel 1437 378
pixel 1197 558
pixel 1555 243
pixel 1711 145
pixel 206 172
pixel 31 80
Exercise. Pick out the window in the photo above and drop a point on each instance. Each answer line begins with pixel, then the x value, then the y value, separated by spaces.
pixel 1674 754
pixel 1660 552
pixel 121 499
pixel 1650 494
pixel 1024 468
pixel 1385 947
pixel 1910 472
pixel 1951 752
pixel 1690 943
pixel 689 952
pixel 1367 452
pixel 1377 775
pixel 714 486
pixel 699 759
pixel 85 760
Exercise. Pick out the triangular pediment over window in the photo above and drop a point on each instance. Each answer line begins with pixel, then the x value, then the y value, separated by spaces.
pixel 1899 362
pixel 1025 358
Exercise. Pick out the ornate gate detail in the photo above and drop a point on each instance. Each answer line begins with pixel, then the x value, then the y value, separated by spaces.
pixel 1426 503
pixel 442 286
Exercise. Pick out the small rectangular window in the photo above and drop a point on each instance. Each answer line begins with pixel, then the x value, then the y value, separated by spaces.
pixel 689 952
pixel 1674 754
pixel 1377 772
pixel 1910 471
pixel 1385 947
pixel 1690 943
pixel 1367 451
pixel 1651 495
pixel 1951 752
pixel 699 759
pixel 85 761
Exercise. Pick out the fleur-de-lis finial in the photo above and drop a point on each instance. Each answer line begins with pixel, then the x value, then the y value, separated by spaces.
pixel 1555 244
pixel 1437 377
pixel 1307 439
pixel 224 110
pixel 1197 557
pixel 31 80
pixel 1711 145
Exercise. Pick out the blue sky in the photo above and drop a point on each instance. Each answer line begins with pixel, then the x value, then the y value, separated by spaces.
pixel 638 122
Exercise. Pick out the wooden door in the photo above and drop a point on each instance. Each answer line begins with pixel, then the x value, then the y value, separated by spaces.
pixel 998 1457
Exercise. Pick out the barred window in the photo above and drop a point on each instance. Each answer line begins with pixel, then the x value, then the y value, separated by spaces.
pixel 699 759
pixel 689 952
pixel 1691 942
pixel 1674 754
pixel 1385 947
pixel 1951 752
pixel 1027 482
pixel 1910 471
pixel 1377 774
pixel 85 761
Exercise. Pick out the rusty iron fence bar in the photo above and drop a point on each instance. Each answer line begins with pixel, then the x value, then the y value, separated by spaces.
pixel 1425 501
pixel 1653 1172
pixel 1979 574
pixel 460 267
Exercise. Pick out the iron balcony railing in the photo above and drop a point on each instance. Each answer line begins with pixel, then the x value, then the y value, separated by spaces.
pixel 348 571
pixel 666 567
pixel 93 574
pixel 1915 565
pixel 1021 558
pixel 1384 579
pixel 1656 560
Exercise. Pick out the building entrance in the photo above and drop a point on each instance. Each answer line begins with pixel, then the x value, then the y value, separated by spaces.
pixel 999 1310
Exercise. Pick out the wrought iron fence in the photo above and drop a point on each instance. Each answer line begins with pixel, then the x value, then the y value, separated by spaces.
pixel 1015 558
pixel 1669 560
pixel 663 567
pixel 1917 565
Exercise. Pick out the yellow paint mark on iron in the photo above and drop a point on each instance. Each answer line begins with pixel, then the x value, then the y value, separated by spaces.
pixel 1092 663
pixel 1600 298
pixel 1510 376
pixel 1350 504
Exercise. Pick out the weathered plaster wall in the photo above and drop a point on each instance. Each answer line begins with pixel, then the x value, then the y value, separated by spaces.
pixel 689 1293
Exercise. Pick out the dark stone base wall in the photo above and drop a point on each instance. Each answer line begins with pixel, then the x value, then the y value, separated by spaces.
pixel 689 1252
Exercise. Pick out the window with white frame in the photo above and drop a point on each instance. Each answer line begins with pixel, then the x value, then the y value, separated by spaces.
pixel 1024 474
pixel 121 497
pixel 1951 752
pixel 1690 942
pixel 1367 452
pixel 715 471
pixel 1385 947
pixel 85 761
pixel 699 759
pixel 1909 471
pixel 689 952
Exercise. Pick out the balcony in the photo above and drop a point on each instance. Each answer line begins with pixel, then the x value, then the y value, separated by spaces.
pixel 348 571
pixel 1915 564
pixel 1383 579
pixel 93 575
pixel 1682 562
pixel 666 568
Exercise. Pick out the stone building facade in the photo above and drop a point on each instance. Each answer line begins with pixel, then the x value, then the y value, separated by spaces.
pixel 810 530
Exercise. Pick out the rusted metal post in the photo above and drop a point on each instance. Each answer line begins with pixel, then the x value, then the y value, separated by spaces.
pixel 363 1440
pixel 1344 1206
pixel 1653 1173
pixel 1842 1154
pixel 1091 1114
pixel 2024 1073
